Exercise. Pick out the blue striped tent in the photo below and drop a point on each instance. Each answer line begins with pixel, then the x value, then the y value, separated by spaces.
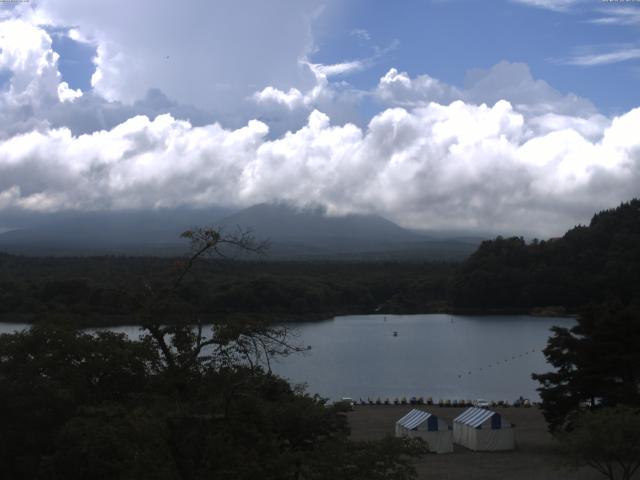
pixel 483 430
pixel 433 430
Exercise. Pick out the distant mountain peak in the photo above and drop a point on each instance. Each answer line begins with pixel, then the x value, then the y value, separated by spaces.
pixel 285 221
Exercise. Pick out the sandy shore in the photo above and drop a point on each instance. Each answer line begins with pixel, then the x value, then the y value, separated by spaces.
pixel 536 456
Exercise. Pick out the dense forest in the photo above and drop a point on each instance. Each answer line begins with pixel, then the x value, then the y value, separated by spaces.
pixel 589 264
pixel 104 289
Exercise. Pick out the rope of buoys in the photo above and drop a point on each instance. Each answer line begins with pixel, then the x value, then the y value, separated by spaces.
pixel 506 360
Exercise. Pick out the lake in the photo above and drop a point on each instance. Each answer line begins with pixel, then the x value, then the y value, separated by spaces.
pixel 435 355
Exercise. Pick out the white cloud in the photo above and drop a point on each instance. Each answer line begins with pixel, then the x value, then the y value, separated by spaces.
pixel 263 70
pixel 590 127
pixel 342 68
pixel 66 94
pixel 458 166
pixel 515 83
pixel 360 34
pixel 34 84
pixel 397 88
pixel 597 59
pixel 544 108
pixel 336 98
pixel 291 99
pixel 240 59
pixel 618 15
pixel 504 81
pixel 34 96
pixel 288 110
pixel 294 98
pixel 210 54
pixel 26 52
pixel 504 153
pixel 556 5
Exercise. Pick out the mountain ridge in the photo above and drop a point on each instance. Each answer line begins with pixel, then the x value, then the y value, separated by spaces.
pixel 294 233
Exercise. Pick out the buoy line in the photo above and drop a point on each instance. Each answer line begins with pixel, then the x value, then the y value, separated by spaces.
pixel 498 362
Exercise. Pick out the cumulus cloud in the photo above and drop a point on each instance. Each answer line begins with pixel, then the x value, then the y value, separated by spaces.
pixel 33 94
pixel 503 81
pixel 227 61
pixel 515 83
pixel 504 153
pixel 288 110
pixel 398 88
pixel 33 83
pixel 294 98
pixel 544 108
pixel 338 99
pixel 438 166
pixel 210 54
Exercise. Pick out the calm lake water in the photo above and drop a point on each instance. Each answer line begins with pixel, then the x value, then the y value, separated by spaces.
pixel 441 356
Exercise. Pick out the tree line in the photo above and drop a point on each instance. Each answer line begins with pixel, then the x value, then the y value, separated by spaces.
pixel 590 264
pixel 591 398
pixel 102 290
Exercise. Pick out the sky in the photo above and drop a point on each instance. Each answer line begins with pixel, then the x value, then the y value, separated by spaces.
pixel 510 116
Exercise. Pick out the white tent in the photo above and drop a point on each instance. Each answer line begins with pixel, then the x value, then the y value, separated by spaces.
pixel 434 431
pixel 483 430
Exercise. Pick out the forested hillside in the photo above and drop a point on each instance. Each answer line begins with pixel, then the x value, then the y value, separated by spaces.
pixel 104 290
pixel 589 264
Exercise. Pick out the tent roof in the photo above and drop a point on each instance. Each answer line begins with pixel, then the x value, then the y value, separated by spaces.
pixel 414 418
pixel 474 417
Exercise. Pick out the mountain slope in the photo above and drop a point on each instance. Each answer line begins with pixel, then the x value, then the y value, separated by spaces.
pixel 293 233
pixel 280 221
pixel 311 233
pixel 130 232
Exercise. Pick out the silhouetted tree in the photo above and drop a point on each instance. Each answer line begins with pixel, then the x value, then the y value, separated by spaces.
pixel 607 440
pixel 597 362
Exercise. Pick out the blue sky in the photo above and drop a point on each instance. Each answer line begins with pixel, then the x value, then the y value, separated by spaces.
pixel 505 116
pixel 76 61
pixel 449 37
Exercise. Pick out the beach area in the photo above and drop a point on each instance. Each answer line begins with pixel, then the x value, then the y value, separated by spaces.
pixel 536 457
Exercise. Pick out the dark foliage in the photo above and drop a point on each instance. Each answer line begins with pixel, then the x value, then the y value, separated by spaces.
pixel 591 264
pixel 181 403
pixel 105 290
pixel 597 364
pixel 607 440
pixel 78 406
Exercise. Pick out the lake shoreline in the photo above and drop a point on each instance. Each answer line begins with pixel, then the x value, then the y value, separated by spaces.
pixel 94 320
pixel 366 356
